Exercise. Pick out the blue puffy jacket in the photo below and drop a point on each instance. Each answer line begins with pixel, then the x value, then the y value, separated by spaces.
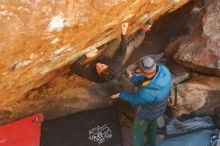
pixel 151 100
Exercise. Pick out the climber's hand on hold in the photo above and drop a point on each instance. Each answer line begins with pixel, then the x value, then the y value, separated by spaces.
pixel 115 96
pixel 124 28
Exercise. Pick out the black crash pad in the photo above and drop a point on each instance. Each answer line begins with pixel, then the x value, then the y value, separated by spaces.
pixel 98 127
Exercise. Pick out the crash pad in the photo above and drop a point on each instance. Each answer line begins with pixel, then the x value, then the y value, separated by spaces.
pixel 24 132
pixel 200 138
pixel 98 127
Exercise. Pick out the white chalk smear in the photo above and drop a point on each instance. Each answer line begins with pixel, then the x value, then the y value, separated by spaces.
pixel 54 41
pixel 56 23
pixel 177 1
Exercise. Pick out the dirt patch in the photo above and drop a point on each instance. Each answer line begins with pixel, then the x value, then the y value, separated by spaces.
pixel 61 96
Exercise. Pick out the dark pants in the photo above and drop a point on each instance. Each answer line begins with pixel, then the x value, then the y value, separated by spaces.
pixel 144 132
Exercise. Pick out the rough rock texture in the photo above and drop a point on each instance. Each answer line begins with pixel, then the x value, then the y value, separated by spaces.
pixel 200 94
pixel 61 96
pixel 199 50
pixel 37 37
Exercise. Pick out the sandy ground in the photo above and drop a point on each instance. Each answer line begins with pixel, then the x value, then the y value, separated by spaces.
pixel 61 96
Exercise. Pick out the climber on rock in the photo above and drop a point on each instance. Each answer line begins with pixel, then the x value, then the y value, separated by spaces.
pixel 109 65
pixel 104 68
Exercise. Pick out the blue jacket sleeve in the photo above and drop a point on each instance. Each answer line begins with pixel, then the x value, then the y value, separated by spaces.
pixel 132 98
pixel 136 79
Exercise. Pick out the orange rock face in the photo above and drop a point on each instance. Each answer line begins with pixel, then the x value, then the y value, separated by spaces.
pixel 38 37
